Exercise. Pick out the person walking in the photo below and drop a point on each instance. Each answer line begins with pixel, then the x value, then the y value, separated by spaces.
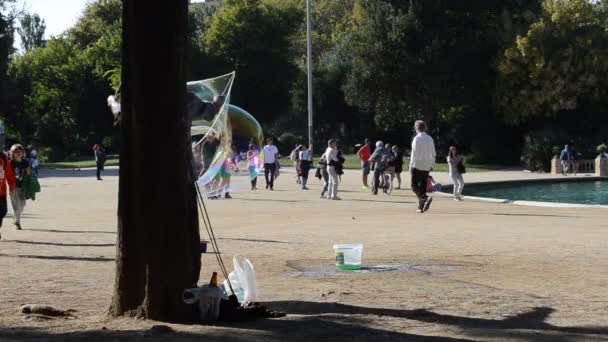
pixel 457 169
pixel 566 158
pixel 253 166
pixel 100 159
pixel 304 165
pixel 398 165
pixel 294 156
pixel 34 163
pixel 421 162
pixel 21 170
pixel 271 153
pixel 364 153
pixel 331 155
pixel 7 180
pixel 322 174
pixel 389 175
pixel 379 159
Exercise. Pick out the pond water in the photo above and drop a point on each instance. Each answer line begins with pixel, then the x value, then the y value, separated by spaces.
pixel 579 192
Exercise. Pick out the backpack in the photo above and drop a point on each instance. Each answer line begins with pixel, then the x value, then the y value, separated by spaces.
pixel 383 162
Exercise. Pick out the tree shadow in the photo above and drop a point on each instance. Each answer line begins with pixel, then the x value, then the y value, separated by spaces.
pixel 298 329
pixel 70 231
pixel 60 244
pixel 268 200
pixel 507 214
pixel 530 320
pixel 263 241
pixel 76 173
pixel 58 257
pixel 379 201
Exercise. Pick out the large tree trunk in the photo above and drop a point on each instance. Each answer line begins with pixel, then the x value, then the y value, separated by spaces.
pixel 158 236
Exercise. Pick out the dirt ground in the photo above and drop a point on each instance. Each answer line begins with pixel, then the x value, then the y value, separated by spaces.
pixel 463 271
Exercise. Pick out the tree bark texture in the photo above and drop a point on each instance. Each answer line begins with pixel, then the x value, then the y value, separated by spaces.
pixel 158 234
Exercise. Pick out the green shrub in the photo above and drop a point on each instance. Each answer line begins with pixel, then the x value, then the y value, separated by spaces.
pixel 539 148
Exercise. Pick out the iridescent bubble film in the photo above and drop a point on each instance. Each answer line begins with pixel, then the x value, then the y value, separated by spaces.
pixel 226 139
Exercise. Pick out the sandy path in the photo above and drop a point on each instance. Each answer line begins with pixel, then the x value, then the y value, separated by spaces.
pixel 472 270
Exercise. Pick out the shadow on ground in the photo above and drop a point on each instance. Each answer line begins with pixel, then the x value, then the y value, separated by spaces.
pixel 76 172
pixel 57 257
pixel 71 231
pixel 300 329
pixel 529 326
pixel 312 321
pixel 62 244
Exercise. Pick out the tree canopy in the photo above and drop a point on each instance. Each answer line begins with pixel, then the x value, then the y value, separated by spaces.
pixel 485 74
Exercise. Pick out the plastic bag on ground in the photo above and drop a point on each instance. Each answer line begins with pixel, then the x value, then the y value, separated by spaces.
pixel 243 268
pixel 239 292
pixel 208 298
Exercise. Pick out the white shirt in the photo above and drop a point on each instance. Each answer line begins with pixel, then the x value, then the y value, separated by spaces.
pixel 423 152
pixel 270 152
pixel 305 155
pixel 331 154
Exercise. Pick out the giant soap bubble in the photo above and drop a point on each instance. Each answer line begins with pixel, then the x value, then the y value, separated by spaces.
pixel 221 135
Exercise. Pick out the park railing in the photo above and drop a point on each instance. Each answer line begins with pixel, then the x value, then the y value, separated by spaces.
pixel 598 166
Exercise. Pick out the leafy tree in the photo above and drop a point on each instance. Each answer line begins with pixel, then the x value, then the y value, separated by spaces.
pixel 31 31
pixel 252 37
pixel 430 59
pixel 556 66
pixel 94 22
pixel 6 48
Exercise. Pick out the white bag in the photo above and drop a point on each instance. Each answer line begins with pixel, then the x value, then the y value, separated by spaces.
pixel 246 277
pixel 208 299
pixel 239 292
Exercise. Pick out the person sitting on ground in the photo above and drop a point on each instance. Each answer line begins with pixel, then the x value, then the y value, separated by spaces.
pixel 421 163
pixel 364 153
pixel 379 160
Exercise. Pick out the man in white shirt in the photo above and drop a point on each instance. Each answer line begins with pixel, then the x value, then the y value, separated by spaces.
pixel 422 161
pixel 271 154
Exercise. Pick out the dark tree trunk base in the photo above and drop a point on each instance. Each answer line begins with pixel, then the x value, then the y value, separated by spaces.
pixel 158 234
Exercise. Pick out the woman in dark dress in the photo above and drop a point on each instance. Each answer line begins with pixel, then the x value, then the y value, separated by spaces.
pixel 398 165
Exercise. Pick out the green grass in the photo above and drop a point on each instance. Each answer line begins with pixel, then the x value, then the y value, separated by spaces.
pixel 353 163
pixel 79 164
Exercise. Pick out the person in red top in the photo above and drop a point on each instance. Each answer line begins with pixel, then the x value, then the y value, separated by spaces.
pixel 6 177
pixel 364 153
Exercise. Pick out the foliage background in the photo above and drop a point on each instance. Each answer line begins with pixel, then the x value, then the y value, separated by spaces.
pixel 505 80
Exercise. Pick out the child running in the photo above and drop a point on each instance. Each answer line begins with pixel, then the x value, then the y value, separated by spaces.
pixel 253 165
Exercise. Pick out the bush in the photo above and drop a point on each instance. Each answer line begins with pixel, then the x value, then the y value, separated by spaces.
pixel 539 148
pixel 51 155
pixel 603 148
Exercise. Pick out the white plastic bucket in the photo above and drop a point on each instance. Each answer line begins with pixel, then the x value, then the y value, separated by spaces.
pixel 348 256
